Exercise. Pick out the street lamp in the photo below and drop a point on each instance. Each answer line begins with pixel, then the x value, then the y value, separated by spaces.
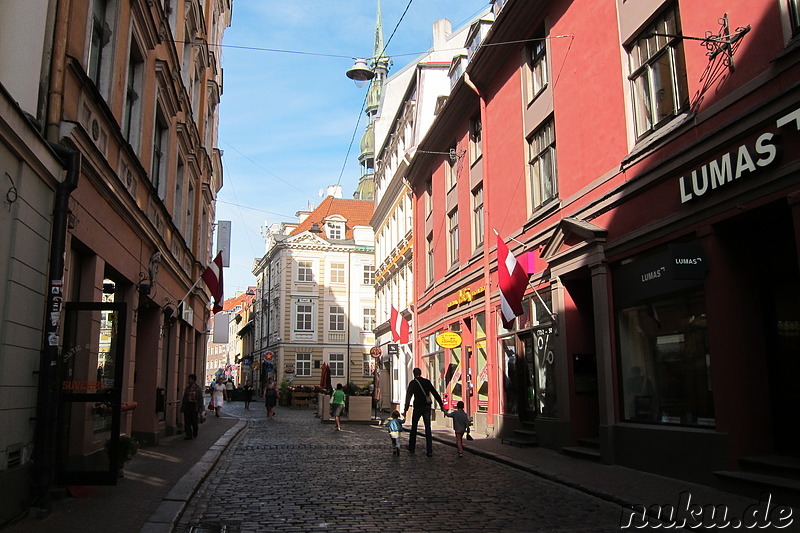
pixel 360 72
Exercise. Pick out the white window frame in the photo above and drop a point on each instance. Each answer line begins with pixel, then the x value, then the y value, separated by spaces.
pixel 652 60
pixel 337 273
pixel 303 317
pixel 305 271
pixel 478 233
pixel 369 274
pixel 337 319
pixel 452 236
pixel 302 365
pixel 336 363
pixel 368 314
pixel 542 176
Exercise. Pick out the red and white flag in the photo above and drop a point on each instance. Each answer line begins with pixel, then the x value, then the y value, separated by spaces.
pixel 513 282
pixel 213 278
pixel 399 327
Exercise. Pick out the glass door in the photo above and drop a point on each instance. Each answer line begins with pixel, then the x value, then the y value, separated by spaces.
pixel 89 380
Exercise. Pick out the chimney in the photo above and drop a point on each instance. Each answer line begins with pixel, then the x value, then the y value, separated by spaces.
pixel 442 29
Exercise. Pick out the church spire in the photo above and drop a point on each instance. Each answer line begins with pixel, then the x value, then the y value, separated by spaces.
pixel 380 66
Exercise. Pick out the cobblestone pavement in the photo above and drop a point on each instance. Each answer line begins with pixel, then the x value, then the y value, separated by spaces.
pixel 294 473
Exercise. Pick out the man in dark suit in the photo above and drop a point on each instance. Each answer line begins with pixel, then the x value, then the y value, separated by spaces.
pixel 421 390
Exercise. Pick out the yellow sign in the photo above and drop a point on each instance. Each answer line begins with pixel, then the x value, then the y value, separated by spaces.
pixel 448 339
pixel 466 296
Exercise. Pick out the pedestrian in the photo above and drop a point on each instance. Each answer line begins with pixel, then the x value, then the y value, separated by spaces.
pixel 395 426
pixel 421 389
pixel 229 390
pixel 337 406
pixel 219 396
pixel 461 423
pixel 191 406
pixel 248 395
pixel 271 397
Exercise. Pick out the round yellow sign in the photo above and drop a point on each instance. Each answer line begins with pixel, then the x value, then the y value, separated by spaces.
pixel 448 339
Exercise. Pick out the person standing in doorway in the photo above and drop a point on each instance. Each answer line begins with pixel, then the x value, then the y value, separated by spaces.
pixel 421 390
pixel 337 406
pixel 191 406
pixel 271 397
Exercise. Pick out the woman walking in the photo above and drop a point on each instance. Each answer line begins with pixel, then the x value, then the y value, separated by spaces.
pixel 218 396
pixel 271 397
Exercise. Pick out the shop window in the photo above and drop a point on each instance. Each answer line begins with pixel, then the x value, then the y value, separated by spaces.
pixel 482 381
pixel 664 361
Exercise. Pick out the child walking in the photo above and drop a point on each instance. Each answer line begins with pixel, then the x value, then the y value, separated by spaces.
pixel 395 425
pixel 460 424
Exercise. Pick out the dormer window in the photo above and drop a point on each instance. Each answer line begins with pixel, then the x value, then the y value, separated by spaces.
pixel 335 230
pixel 335 227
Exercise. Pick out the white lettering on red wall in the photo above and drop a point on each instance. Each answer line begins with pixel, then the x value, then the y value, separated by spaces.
pixel 735 164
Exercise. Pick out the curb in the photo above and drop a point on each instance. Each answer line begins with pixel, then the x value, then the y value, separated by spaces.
pixel 171 508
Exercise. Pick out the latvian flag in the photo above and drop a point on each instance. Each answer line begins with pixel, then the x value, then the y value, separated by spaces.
pixel 213 278
pixel 513 281
pixel 399 327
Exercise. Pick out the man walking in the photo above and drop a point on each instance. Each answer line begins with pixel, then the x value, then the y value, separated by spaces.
pixel 421 390
pixel 191 405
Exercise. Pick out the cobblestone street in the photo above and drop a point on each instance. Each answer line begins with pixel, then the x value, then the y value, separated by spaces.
pixel 294 473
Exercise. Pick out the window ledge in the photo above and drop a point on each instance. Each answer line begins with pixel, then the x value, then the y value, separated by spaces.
pixel 655 139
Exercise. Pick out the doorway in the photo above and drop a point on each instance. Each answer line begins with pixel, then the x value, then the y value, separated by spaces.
pixel 90 373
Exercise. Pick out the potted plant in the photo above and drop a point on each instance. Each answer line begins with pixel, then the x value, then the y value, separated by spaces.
pixel 126 450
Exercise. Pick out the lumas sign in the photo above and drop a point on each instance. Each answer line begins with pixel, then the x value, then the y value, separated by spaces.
pixel 738 163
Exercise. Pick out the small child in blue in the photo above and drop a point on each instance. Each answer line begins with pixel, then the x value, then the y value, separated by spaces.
pixel 461 423
pixel 395 425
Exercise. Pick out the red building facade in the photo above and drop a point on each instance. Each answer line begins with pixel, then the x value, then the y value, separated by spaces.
pixel 652 172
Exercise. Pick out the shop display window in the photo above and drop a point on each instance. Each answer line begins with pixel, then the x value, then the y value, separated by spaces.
pixel 664 361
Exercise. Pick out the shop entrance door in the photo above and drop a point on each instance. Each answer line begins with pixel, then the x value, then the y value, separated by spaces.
pixel 783 358
pixel 526 379
pixel 90 379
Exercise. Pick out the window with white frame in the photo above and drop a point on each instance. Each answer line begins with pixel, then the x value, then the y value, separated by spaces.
pixel 302 365
pixel 451 169
pixel 429 198
pixel 369 364
pixel 305 271
pixel 452 231
pixel 303 317
pixel 543 183
pixel 538 64
pixel 336 364
pixel 158 171
pixel 475 139
pixel 100 53
pixel 335 230
pixel 369 318
pixel 131 113
pixel 477 216
pixel 337 273
pixel 429 256
pixel 180 176
pixel 794 15
pixel 657 66
pixel 336 318
pixel 369 275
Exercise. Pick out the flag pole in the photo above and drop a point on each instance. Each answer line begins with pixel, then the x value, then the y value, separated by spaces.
pixel 188 292
pixel 546 307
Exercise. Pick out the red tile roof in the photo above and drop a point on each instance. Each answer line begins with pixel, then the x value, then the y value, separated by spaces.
pixel 356 212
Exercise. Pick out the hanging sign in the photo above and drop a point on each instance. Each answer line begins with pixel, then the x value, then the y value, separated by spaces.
pixel 448 339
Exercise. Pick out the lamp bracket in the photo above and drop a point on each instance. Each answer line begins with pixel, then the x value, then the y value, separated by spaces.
pixel 723 42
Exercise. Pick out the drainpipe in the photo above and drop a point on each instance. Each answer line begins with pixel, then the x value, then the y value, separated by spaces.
pixel 44 459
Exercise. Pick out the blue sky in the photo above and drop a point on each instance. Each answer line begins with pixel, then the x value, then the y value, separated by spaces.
pixel 287 119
